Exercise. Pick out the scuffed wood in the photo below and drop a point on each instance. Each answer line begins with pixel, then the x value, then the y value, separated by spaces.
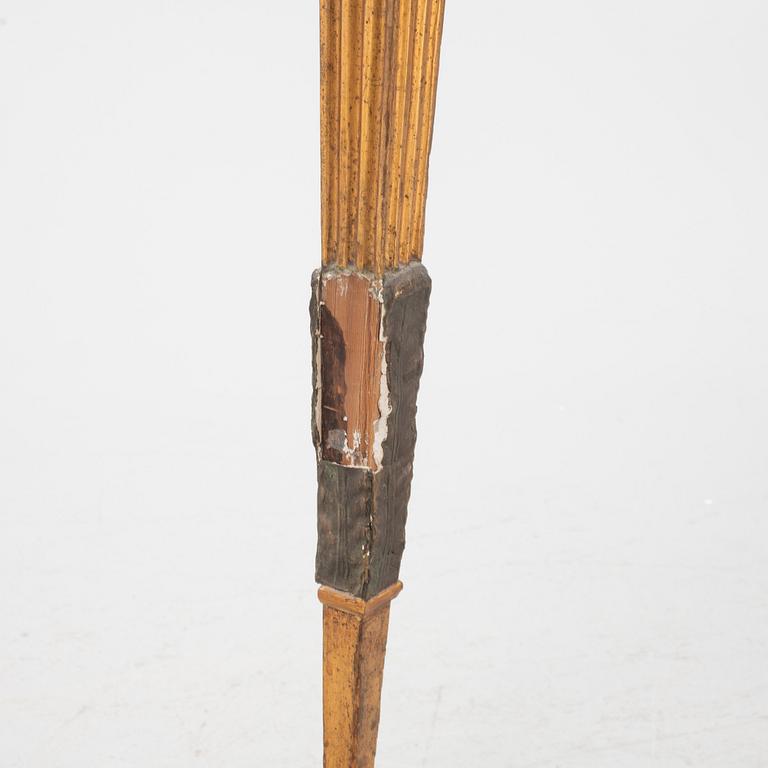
pixel 343 601
pixel 379 72
pixel 351 357
pixel 354 649
pixel 362 510
pixel 344 511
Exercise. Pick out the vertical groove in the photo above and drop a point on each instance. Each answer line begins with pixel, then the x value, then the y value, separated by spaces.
pixel 416 60
pixel 326 61
pixel 370 128
pixel 385 106
pixel 329 117
pixel 416 235
pixel 335 130
pixel 397 139
pixel 349 143
pixel 355 254
pixel 379 67
pixel 410 197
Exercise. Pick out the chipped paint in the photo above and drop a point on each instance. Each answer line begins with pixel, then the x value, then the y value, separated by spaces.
pixel 318 383
pixel 337 441
pixel 381 425
pixel 362 510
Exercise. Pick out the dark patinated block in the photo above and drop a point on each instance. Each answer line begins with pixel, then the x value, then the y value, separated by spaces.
pixel 344 509
pixel 362 511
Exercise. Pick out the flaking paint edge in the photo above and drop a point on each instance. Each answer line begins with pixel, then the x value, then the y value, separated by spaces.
pixel 381 425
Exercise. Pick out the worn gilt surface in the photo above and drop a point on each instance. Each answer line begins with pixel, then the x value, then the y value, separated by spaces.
pixel 354 646
pixel 379 67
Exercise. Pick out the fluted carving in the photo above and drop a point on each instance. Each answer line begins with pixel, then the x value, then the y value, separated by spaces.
pixel 379 66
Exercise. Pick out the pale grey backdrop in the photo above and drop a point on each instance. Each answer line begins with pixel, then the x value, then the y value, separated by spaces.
pixel 586 577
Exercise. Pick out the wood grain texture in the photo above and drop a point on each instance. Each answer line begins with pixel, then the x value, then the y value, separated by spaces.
pixel 362 510
pixel 344 530
pixel 379 72
pixel 351 359
pixel 379 62
pixel 354 649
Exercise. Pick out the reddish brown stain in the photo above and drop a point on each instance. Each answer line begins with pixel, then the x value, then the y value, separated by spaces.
pixel 350 363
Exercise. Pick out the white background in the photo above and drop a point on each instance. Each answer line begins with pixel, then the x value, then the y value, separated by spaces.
pixel 586 573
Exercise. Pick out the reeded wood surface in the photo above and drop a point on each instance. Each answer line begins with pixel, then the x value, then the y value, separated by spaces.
pixel 379 67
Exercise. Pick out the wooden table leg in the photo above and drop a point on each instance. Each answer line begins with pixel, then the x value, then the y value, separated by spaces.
pixel 379 62
pixel 354 647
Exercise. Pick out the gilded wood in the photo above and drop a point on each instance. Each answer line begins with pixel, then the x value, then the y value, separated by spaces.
pixel 379 71
pixel 354 648
pixel 343 601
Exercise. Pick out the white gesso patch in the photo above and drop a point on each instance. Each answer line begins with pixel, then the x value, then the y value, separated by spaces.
pixel 319 378
pixel 381 425
pixel 337 441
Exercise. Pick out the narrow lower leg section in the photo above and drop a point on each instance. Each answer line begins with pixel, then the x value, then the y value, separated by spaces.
pixel 354 647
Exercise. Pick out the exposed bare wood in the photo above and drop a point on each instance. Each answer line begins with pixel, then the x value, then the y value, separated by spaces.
pixel 368 338
pixel 351 359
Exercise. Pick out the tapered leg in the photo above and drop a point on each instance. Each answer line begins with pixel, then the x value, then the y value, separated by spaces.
pixel 354 648
pixel 379 62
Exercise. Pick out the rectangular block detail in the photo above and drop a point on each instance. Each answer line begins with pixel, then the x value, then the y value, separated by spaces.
pixel 362 508
pixel 344 512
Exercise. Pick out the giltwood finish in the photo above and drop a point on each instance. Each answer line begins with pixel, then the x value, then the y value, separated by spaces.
pixel 379 63
pixel 354 647
pixel 379 69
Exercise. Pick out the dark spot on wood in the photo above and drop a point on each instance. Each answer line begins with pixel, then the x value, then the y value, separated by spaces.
pixel 333 385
